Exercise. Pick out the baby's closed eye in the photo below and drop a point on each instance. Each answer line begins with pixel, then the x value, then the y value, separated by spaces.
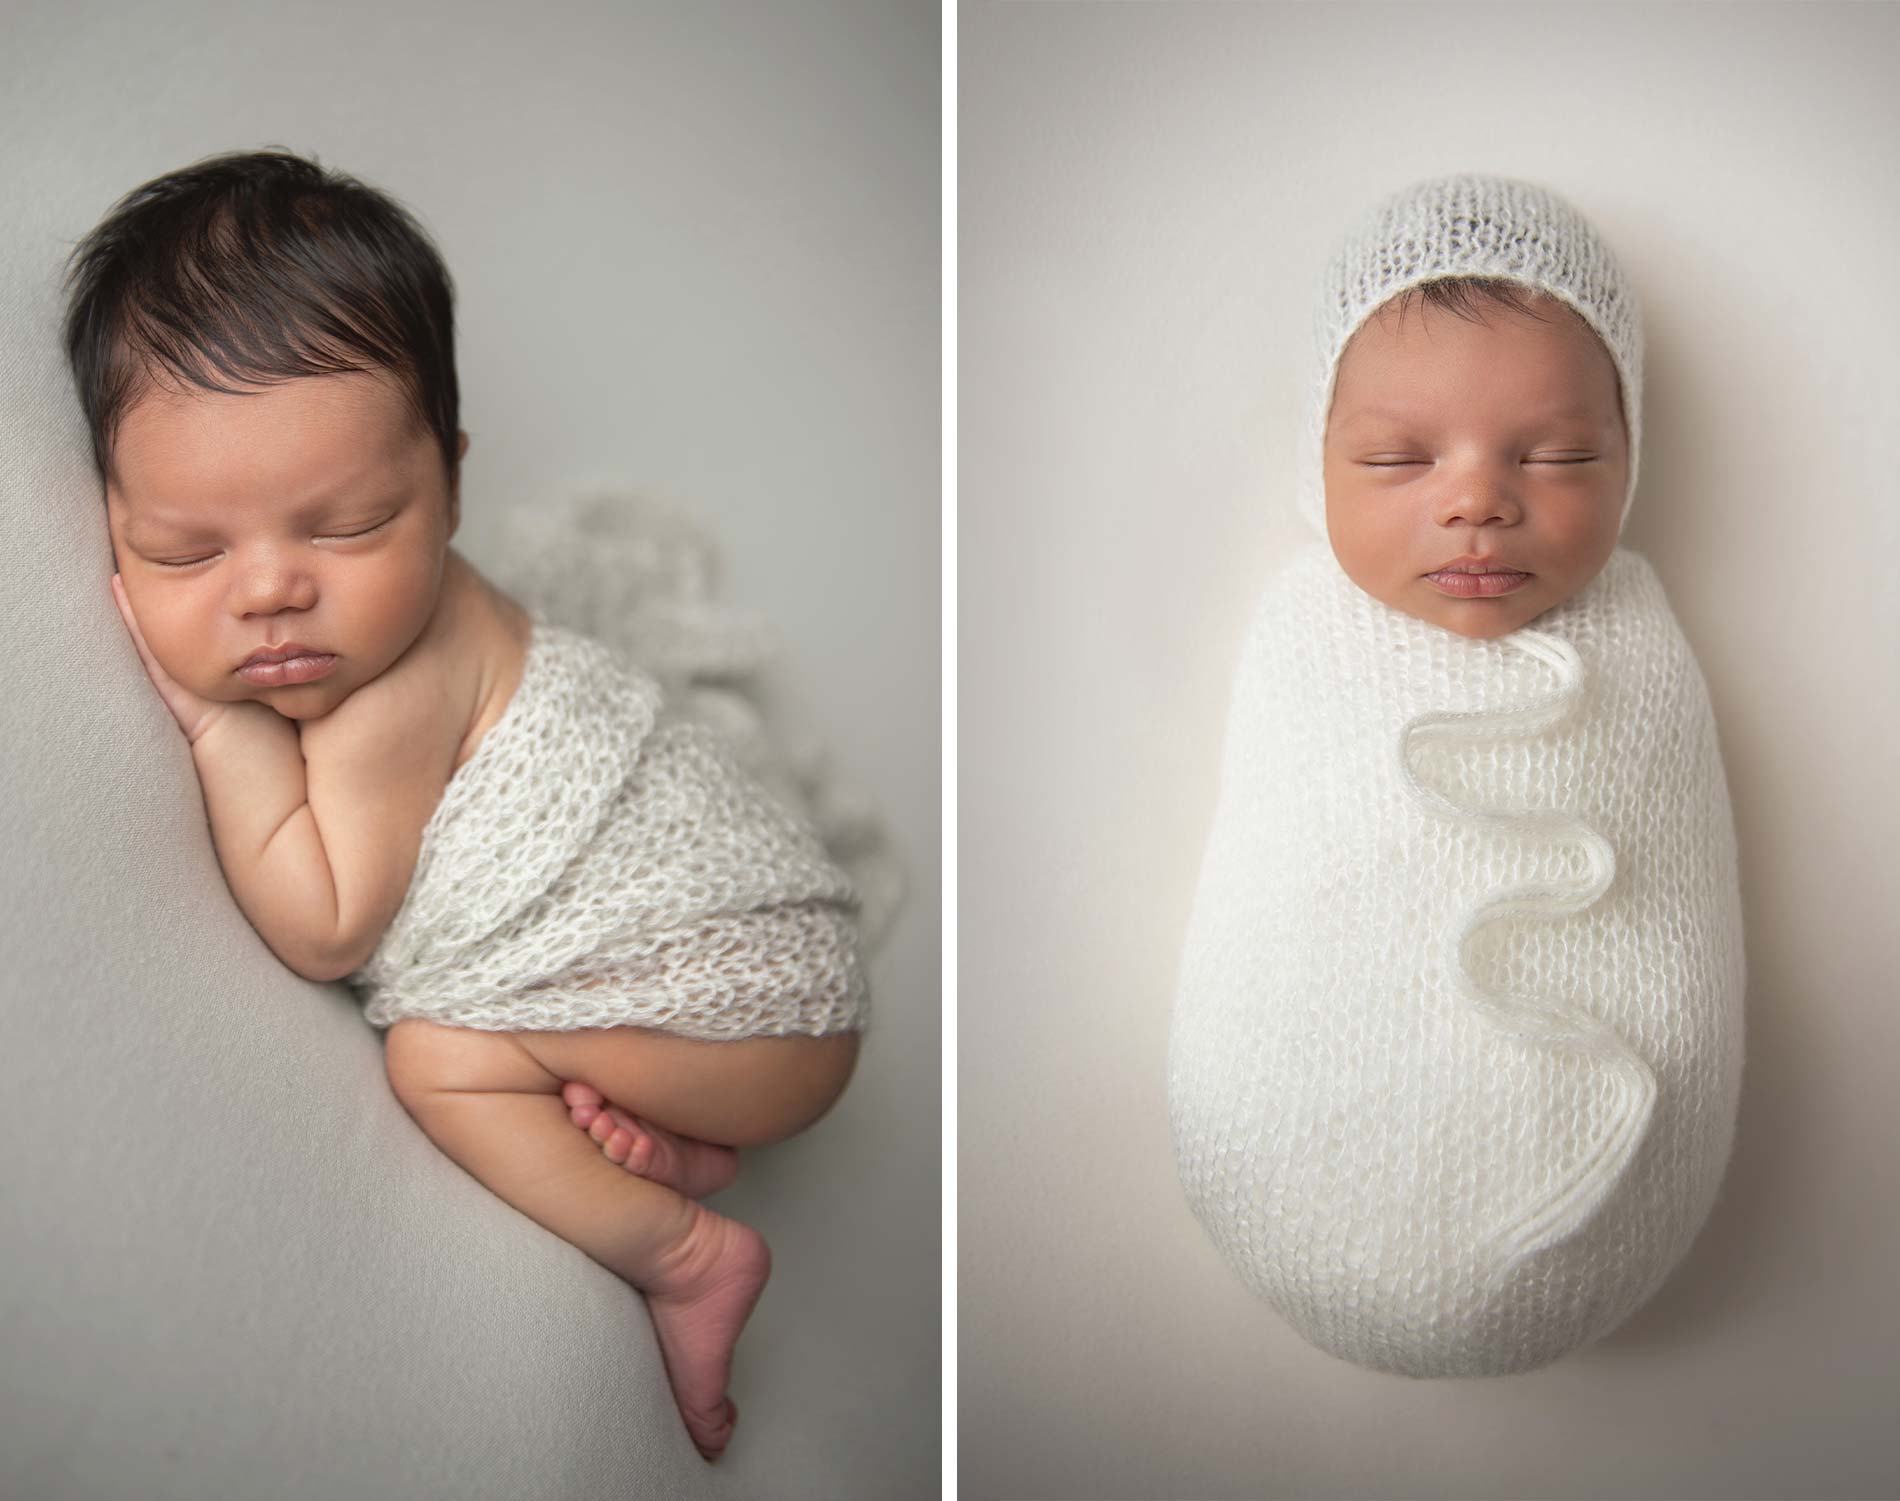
pixel 329 537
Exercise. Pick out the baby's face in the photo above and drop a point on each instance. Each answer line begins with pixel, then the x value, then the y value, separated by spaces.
pixel 1502 440
pixel 310 512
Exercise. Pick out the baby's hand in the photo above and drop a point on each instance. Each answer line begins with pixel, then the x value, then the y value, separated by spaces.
pixel 195 715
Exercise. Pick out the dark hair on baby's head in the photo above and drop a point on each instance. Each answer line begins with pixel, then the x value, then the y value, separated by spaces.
pixel 1467 296
pixel 261 267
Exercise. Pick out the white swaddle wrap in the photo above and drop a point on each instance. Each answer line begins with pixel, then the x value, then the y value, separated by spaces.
pixel 1358 1125
pixel 632 843
pixel 1456 1047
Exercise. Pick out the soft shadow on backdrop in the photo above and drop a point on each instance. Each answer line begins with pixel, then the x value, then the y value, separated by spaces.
pixel 696 251
pixel 1147 196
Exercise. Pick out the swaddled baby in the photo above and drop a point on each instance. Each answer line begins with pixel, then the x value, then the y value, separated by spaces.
pixel 561 898
pixel 1457 1042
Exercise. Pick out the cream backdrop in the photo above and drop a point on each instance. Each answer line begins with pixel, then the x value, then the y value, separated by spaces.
pixel 1147 194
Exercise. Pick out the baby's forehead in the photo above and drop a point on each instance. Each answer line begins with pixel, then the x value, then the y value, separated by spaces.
pixel 319 421
pixel 352 395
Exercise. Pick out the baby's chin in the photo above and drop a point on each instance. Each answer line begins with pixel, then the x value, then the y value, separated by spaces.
pixel 300 701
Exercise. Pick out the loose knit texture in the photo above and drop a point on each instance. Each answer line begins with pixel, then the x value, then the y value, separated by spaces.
pixel 1457 1043
pixel 609 857
pixel 1360 1130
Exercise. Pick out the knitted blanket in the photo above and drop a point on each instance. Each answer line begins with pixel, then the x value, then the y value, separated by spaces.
pixel 590 868
pixel 643 575
pixel 1457 1041
pixel 637 841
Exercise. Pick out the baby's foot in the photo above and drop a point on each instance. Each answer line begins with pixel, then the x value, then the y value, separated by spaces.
pixel 699 1303
pixel 683 1163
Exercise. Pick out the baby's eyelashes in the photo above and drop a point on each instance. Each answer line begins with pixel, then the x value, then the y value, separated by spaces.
pixel 1401 463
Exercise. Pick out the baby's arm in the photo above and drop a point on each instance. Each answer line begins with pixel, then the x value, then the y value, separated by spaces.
pixel 250 764
pixel 319 826
pixel 317 850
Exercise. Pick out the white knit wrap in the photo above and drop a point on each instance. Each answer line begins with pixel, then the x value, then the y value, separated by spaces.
pixel 1456 1047
pixel 1452 1091
pixel 615 855
pixel 643 574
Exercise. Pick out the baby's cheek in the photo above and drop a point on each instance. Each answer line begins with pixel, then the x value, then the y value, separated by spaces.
pixel 193 661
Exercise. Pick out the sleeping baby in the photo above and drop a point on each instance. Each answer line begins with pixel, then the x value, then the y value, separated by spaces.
pixel 1456 1046
pixel 605 955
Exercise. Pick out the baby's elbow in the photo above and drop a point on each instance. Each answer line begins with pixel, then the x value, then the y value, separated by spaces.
pixel 323 963
pixel 329 971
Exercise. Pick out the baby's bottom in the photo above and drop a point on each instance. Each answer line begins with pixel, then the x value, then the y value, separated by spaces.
pixel 492 1101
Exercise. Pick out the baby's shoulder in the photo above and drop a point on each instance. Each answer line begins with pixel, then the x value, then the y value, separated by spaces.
pixel 492 660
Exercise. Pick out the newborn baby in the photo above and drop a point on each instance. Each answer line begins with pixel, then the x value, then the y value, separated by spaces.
pixel 640 944
pixel 1457 1041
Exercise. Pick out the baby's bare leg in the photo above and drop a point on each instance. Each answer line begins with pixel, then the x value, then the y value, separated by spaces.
pixel 492 1109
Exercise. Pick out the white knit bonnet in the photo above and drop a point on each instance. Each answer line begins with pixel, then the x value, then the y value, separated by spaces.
pixel 1469 225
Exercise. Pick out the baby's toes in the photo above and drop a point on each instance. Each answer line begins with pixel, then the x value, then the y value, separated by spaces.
pixel 629 1143
pixel 622 1140
pixel 583 1103
pixel 621 1119
pixel 640 1156
pixel 614 1139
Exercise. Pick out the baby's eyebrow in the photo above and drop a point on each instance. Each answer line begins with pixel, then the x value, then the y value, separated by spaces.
pixel 137 527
